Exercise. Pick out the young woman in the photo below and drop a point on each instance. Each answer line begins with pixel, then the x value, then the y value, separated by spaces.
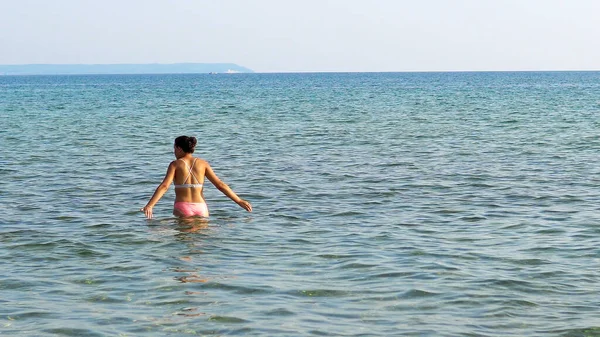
pixel 188 172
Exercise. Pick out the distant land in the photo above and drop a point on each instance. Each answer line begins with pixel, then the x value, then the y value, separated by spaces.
pixel 98 69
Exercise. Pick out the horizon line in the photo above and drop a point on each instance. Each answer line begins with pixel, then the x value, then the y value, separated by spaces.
pixel 305 71
pixel 320 72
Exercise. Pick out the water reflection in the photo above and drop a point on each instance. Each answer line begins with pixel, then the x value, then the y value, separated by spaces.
pixel 192 224
pixel 185 226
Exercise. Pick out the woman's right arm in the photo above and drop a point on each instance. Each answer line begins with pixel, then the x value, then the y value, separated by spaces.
pixel 160 190
pixel 221 186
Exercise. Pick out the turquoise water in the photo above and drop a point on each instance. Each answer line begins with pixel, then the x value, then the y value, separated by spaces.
pixel 433 204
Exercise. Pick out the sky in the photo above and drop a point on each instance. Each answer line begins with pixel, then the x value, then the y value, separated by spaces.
pixel 307 35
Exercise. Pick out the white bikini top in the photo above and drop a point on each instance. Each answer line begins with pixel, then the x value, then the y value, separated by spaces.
pixel 190 173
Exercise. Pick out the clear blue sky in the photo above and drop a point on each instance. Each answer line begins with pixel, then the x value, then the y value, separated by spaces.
pixel 307 35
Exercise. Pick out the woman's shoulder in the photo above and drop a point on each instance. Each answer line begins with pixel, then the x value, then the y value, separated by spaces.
pixel 200 161
pixel 178 163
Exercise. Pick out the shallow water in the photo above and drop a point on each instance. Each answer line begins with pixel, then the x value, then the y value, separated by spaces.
pixel 434 204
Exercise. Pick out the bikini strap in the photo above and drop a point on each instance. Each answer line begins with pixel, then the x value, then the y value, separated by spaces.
pixel 190 170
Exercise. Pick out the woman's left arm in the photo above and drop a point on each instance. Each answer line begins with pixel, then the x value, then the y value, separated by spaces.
pixel 160 191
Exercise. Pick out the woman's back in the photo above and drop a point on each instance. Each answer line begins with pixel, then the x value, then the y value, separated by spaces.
pixel 189 179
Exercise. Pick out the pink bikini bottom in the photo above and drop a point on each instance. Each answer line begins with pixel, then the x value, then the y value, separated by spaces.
pixel 185 209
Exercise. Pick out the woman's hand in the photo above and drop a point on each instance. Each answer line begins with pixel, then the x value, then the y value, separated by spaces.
pixel 245 205
pixel 148 211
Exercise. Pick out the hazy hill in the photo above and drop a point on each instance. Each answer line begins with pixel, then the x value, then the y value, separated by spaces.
pixel 156 68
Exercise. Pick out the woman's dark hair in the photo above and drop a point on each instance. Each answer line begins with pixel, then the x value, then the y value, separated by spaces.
pixel 187 144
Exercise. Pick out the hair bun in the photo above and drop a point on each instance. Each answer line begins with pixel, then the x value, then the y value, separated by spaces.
pixel 187 144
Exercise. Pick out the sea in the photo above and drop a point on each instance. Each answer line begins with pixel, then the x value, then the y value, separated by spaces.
pixel 385 204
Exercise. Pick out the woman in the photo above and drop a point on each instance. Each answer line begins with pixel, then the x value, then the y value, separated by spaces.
pixel 188 173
